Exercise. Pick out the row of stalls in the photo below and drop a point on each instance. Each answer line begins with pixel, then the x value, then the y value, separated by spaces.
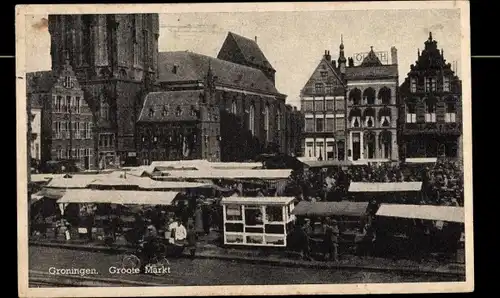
pixel 387 229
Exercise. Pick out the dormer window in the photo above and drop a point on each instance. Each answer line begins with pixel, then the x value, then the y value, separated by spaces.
pixel 151 112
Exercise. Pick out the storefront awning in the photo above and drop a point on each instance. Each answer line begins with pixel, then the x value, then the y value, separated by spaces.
pixel 119 197
pixel 427 212
pixel 257 200
pixel 384 187
pixel 343 208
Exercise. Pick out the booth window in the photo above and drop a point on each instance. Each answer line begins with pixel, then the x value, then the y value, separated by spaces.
pixel 253 216
pixel 274 213
pixel 234 227
pixel 233 212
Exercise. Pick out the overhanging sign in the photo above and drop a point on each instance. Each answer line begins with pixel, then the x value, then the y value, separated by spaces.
pixel 383 56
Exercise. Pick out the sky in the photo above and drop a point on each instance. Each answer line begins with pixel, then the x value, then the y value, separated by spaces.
pixel 293 42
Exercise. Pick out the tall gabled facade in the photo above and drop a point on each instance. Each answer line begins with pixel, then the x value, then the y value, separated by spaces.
pixel 323 106
pixel 431 107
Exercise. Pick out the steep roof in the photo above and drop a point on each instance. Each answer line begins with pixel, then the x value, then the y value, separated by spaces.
pixel 39 81
pixel 371 59
pixel 193 67
pixel 373 72
pixel 171 106
pixel 249 49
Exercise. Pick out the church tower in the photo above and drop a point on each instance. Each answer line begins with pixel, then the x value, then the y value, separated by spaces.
pixel 115 58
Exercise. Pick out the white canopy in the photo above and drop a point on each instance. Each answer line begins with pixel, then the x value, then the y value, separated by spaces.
pixel 145 183
pixel 427 212
pixel 236 165
pixel 384 186
pixel 258 200
pixel 197 164
pixel 118 197
pixel 231 174
pixel 421 160
pixel 76 181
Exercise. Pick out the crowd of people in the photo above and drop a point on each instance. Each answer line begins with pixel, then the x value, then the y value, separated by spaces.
pixel 442 181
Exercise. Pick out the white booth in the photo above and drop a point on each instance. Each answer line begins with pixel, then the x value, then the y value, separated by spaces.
pixel 257 221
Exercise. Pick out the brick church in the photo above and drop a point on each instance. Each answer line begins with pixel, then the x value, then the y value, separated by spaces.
pixel 147 105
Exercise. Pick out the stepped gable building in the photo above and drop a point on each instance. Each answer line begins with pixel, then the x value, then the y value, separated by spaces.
pixel 323 104
pixel 115 58
pixel 180 124
pixel 65 124
pixel 431 105
pixel 372 110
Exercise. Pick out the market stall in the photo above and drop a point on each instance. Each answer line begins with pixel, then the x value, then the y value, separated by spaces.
pixel 387 192
pixel 257 221
pixel 421 229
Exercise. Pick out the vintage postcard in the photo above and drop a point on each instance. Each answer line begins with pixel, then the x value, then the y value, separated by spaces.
pixel 244 149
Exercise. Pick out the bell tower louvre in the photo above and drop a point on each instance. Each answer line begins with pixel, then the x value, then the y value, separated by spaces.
pixel 115 58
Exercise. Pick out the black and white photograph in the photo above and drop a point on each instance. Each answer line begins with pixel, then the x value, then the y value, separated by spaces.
pixel 244 149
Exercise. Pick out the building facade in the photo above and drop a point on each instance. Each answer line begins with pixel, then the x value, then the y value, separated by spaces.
pixel 115 58
pixel 36 127
pixel 431 102
pixel 254 117
pixel 372 111
pixel 180 125
pixel 65 120
pixel 323 104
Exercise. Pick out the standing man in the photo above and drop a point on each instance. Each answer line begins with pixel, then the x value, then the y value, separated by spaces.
pixel 332 239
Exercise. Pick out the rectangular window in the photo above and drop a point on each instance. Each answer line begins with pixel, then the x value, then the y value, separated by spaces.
pixel 319 105
pixel 329 105
pixel 430 84
pixel 446 84
pixel 307 105
pixel 339 124
pixel 451 113
pixel 339 104
pixel 413 85
pixel 320 126
pixel 89 130
pixel 309 125
pixel 274 214
pixel 77 104
pixel 60 104
pixel 319 88
pixel 430 113
pixel 329 88
pixel 329 124
pixel 68 104
pixel 411 113
pixel 324 74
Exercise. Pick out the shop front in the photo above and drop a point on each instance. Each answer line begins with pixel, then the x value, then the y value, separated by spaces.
pixel 257 221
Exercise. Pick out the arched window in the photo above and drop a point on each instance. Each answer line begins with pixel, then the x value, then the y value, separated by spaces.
pixel 385 139
pixel 266 121
pixel 355 96
pixel 234 107
pixel 104 108
pixel 430 110
pixel 369 117
pixel 370 144
pixel 384 95
pixel 384 117
pixel 369 96
pixel 251 119
pixel 355 118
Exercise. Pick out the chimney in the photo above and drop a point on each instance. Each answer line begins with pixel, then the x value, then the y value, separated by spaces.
pixel 394 55
pixel 327 56
pixel 255 39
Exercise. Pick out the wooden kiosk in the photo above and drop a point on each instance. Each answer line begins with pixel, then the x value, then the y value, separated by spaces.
pixel 257 221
